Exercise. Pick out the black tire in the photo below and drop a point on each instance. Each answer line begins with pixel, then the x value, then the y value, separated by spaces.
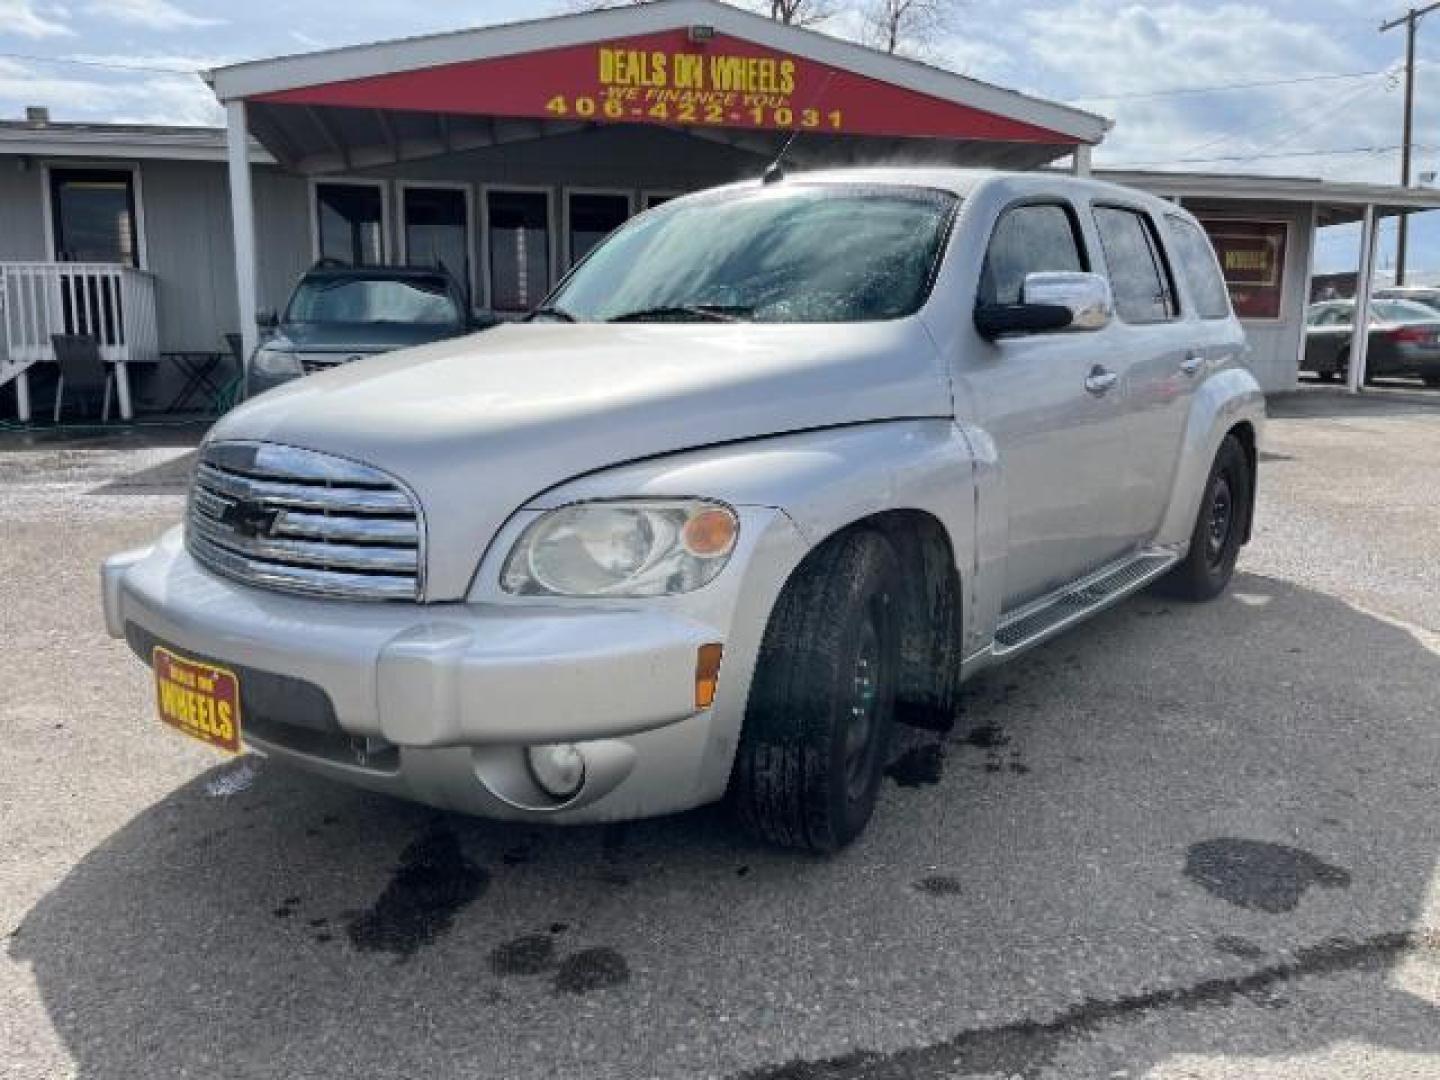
pixel 1327 376
pixel 822 703
pixel 1221 525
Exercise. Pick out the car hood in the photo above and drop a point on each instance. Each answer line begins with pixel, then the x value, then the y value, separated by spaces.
pixel 357 337
pixel 478 426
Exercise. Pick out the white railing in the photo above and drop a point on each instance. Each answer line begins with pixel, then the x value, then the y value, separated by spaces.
pixel 112 303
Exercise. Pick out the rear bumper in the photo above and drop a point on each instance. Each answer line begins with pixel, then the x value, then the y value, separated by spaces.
pixel 438 702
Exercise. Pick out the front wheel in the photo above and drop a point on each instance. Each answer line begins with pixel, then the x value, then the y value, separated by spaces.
pixel 822 705
pixel 1220 528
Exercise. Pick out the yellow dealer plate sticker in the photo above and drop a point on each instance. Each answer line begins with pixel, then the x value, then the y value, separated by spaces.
pixel 199 699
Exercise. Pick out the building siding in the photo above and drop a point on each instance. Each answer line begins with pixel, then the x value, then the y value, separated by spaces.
pixel 22 211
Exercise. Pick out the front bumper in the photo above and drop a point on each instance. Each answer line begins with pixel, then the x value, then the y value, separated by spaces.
pixel 438 702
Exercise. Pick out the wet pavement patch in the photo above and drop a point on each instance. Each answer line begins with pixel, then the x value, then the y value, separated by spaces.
pixel 1027 1048
pixel 527 955
pixel 918 766
pixel 592 969
pixel 1232 945
pixel 939 885
pixel 433 883
pixel 1259 876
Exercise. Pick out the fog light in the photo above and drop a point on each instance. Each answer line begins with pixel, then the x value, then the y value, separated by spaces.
pixel 558 769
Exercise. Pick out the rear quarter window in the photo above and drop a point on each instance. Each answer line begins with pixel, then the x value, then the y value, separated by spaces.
pixel 1195 260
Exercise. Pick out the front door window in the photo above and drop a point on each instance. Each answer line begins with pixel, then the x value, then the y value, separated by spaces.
pixel 93 216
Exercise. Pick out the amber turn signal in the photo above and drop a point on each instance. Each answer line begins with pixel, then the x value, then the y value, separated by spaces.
pixel 707 674
pixel 710 533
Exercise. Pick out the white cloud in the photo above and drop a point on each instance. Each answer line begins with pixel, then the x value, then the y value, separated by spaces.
pixel 151 14
pixel 23 18
pixel 148 99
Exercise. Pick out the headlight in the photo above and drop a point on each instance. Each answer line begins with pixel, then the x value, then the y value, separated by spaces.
pixel 276 363
pixel 622 549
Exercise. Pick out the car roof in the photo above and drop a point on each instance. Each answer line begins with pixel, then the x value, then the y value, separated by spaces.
pixel 961 182
pixel 381 273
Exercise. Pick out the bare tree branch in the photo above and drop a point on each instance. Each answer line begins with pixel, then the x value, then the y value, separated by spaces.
pixel 790 12
pixel 906 26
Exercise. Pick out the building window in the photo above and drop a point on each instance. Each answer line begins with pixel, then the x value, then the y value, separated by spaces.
pixel 350 223
pixel 519 244
pixel 93 216
pixel 437 230
pixel 592 218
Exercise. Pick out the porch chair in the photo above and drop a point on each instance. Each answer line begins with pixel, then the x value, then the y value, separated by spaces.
pixel 82 372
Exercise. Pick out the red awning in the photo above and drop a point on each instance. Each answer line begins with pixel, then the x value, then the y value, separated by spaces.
pixel 666 78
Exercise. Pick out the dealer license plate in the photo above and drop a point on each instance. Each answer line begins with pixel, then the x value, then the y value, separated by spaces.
pixel 201 700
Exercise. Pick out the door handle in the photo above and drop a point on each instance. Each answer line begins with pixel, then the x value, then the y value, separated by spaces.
pixel 1192 363
pixel 1100 381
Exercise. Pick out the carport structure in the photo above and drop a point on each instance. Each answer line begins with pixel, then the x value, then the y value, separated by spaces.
pixel 656 83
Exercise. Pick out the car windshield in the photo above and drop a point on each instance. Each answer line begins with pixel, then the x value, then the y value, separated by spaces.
pixel 415 300
pixel 787 253
pixel 1404 311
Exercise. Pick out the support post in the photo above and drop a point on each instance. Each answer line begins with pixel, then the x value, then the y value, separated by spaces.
pixel 1081 165
pixel 22 396
pixel 122 391
pixel 242 219
pixel 1364 286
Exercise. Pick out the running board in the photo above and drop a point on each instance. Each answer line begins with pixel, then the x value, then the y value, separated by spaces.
pixel 1035 623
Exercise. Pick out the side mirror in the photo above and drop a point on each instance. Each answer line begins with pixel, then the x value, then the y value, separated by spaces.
pixel 266 319
pixel 1050 302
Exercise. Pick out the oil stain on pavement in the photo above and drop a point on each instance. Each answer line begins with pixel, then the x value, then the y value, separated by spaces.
pixel 433 883
pixel 527 955
pixel 1259 876
pixel 592 969
pixel 919 766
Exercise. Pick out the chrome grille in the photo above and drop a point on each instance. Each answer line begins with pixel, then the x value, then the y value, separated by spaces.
pixel 301 521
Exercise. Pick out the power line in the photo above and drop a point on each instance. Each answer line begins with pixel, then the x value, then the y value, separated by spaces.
pixel 1262 157
pixel 103 64
pixel 1171 91
pixel 1346 101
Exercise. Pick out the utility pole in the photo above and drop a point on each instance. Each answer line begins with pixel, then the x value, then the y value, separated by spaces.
pixel 1411 20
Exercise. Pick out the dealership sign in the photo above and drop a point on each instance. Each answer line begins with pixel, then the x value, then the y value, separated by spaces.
pixel 666 78
pixel 1252 257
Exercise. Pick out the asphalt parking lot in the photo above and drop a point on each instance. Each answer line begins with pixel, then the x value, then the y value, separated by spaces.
pixel 1178 842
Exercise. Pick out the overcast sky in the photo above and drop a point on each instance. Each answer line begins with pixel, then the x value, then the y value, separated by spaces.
pixel 1121 58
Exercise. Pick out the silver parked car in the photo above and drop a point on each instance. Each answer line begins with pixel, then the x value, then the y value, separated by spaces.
pixel 775 468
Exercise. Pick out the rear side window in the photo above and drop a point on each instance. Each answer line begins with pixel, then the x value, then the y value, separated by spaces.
pixel 1197 263
pixel 1138 275
pixel 1030 239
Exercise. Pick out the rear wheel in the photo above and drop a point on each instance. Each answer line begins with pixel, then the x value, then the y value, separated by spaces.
pixel 1220 528
pixel 822 705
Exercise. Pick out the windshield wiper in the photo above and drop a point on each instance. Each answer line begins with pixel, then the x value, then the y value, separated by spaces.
pixel 687 313
pixel 552 312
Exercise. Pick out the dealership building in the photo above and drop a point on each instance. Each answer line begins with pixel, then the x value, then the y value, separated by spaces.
pixel 504 154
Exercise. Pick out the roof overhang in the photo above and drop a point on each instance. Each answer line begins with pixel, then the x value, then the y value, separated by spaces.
pixel 1335 203
pixel 101 141
pixel 697 66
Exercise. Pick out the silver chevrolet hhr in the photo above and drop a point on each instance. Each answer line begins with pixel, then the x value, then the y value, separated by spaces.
pixel 776 468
